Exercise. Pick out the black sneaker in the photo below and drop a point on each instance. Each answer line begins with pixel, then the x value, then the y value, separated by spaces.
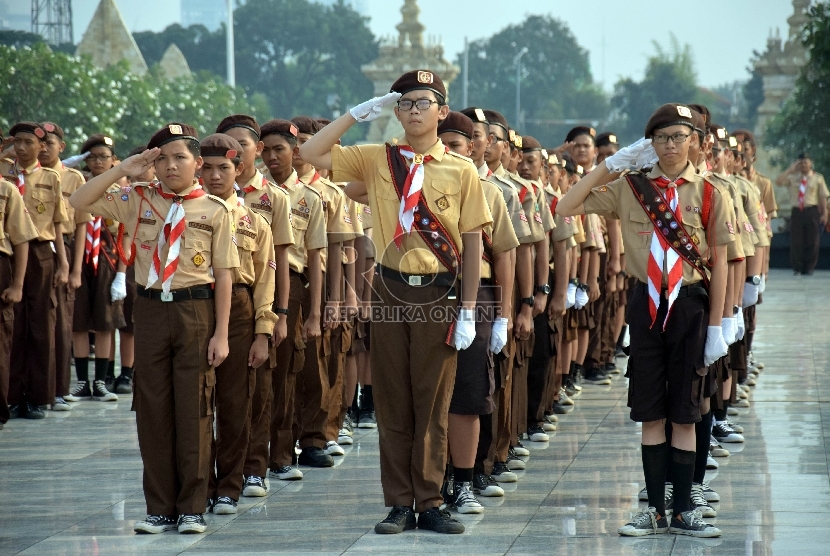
pixel 440 521
pixel 691 523
pixel 34 411
pixel 612 369
pixel 570 388
pixel 313 456
pixel 254 487
pixel 109 381
pixel 724 433
pixel 446 491
pixel 537 434
pixel 124 384
pixel 399 519
pixel 101 393
pixel 225 505
pixel 154 524
pixel 366 419
pixel 646 522
pixel 514 462
pixel 82 391
pixel 596 377
pixel 287 473
pixel 464 501
pixel 485 485
pixel 211 502
pixel 17 411
pixel 502 474
pixel 192 523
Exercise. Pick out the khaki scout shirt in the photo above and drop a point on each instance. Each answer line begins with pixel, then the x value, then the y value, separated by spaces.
pixel 337 229
pixel 816 189
pixel 562 231
pixel 518 218
pixel 500 232
pixel 765 191
pixel 273 203
pixel 307 221
pixel 71 180
pixel 543 213
pixel 748 217
pixel 16 226
pixel 351 216
pixel 207 241
pixel 257 267
pixel 734 250
pixel 448 177
pixel 531 231
pixel 43 198
pixel 593 234
pixel 757 216
pixel 617 200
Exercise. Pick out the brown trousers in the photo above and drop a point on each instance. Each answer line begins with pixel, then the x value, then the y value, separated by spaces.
pixel 6 332
pixel 290 359
pixel 413 375
pixel 341 342
pixel 518 401
pixel 805 234
pixel 593 357
pixel 33 345
pixel 502 400
pixel 63 329
pixel 311 396
pixel 256 458
pixel 235 382
pixel 174 391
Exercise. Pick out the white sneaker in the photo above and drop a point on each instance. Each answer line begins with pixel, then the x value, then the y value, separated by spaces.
pixel 334 449
pixel 287 473
pixel 520 450
pixel 60 405
pixel 464 501
pixel 732 411
pixel 255 487
pixel 552 418
pixel 711 463
pixel 344 439
pixel 548 427
pixel 699 502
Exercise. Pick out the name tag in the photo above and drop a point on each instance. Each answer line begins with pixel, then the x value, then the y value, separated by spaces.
pixel 147 221
pixel 248 233
pixel 200 226
pixel 300 213
pixel 43 186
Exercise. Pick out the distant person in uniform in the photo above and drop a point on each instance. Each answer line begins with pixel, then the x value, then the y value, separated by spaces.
pixel 808 194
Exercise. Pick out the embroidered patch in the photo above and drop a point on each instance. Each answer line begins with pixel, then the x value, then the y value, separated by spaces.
pixel 684 112
pixel 300 213
pixel 522 217
pixel 425 77
pixel 537 217
pixel 730 228
pixel 146 246
pixel 200 226
pixel 248 233
pixel 346 219
pixel 442 203
pixel 302 203
pixel 148 221
pixel 272 264
pixel 175 129
pixel 110 197
pixel 43 186
pixel 260 206
pixel 367 209
pixel 198 259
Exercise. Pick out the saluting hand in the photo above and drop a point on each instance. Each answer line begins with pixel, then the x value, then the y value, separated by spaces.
pixel 140 163
pixel 371 109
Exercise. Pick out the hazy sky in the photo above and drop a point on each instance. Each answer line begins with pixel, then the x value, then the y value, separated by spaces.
pixel 617 33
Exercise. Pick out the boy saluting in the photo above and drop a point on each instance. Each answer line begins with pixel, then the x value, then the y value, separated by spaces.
pixel 424 198
pixel 184 254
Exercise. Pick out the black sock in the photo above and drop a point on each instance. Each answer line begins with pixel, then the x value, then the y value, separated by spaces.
pixel 720 414
pixel 101 369
pixel 82 369
pixel 683 463
pixel 703 431
pixel 127 372
pixel 355 402
pixel 462 475
pixel 111 369
pixel 668 452
pixel 654 469
pixel 368 401
pixel 485 439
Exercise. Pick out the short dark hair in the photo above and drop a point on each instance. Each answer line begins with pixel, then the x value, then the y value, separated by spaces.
pixel 193 146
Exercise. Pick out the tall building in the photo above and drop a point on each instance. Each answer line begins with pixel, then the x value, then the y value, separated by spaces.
pixel 210 13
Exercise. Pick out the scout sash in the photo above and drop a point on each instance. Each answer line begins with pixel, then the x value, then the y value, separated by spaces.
pixel 487 244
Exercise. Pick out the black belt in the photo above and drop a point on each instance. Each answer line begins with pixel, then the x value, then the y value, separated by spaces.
pixel 685 291
pixel 441 279
pixel 2 255
pixel 184 294
pixel 488 281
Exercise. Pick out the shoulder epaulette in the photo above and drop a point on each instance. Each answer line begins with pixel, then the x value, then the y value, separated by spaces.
pixel 502 179
pixel 47 170
pixel 462 157
pixel 265 219
pixel 310 188
pixel 75 171
pixel 222 202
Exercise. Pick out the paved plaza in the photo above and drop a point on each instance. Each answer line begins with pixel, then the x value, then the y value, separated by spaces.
pixel 71 484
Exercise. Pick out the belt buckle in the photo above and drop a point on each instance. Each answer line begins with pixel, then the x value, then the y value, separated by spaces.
pixel 414 280
pixel 167 297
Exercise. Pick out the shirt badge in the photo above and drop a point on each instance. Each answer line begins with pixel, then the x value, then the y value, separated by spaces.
pixel 442 203
pixel 198 259
pixel 148 213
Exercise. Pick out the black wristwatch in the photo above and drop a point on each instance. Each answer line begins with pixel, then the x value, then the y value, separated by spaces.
pixel 527 301
pixel 574 281
pixel 544 288
pixel 281 311
pixel 754 280
pixel 583 287
pixel 735 310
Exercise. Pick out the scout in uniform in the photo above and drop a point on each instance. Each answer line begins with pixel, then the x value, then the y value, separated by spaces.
pixel 74 231
pixel 474 379
pixel 305 283
pixel 808 195
pixel 273 203
pixel 94 307
pixel 183 252
pixel 16 231
pixel 678 295
pixel 250 325
pixel 32 380
pixel 424 199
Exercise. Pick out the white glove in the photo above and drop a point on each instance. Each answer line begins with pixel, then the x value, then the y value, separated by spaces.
pixel 118 289
pixel 647 157
pixel 581 298
pixel 73 161
pixel 626 341
pixel 729 329
pixel 465 329
pixel 750 296
pixel 741 325
pixel 715 346
pixel 571 296
pixel 498 336
pixel 371 109
pixel 763 285
pixel 628 157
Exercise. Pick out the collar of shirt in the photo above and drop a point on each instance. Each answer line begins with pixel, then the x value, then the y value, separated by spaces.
pixel 308 177
pixel 483 170
pixel 436 151
pixel 28 169
pixel 255 181
pixel 500 171
pixel 57 166
pixel 291 182
pixel 689 174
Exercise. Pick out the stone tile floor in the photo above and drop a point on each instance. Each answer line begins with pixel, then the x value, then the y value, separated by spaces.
pixel 71 484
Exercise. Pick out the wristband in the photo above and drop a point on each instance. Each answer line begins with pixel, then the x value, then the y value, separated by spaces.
pixel 281 311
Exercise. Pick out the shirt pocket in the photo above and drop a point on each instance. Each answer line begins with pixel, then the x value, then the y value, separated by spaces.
pixel 43 198
pixel 641 229
pixel 146 239
pixel 196 252
pixel 299 226
pixel 446 201
pixel 693 224
pixel 245 248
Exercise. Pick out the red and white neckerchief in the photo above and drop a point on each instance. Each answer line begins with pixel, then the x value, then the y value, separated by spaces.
pixel 171 232
pixel 21 177
pixel 662 252
pixel 92 248
pixel 802 192
pixel 523 192
pixel 250 188
pixel 411 191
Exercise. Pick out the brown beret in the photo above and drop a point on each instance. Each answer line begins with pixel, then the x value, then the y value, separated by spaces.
pixel 28 127
pixel 306 125
pixel 698 120
pixel 457 122
pixel 417 80
pixel 323 122
pixel 279 127
pixel 494 118
pixel 703 111
pixel 580 130
pixel 52 128
pixel 530 144
pixel 221 145
pixel 98 140
pixel 719 132
pixel 669 115
pixel 744 135
pixel 239 120
pixel 475 114
pixel 137 150
pixel 174 131
pixel 606 138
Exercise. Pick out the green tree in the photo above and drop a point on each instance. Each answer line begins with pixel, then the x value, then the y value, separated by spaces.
pixel 203 49
pixel 801 126
pixel 556 81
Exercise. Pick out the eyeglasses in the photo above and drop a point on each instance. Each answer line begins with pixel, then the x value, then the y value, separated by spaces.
pixel 676 138
pixel 494 137
pixel 422 104
pixel 99 157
